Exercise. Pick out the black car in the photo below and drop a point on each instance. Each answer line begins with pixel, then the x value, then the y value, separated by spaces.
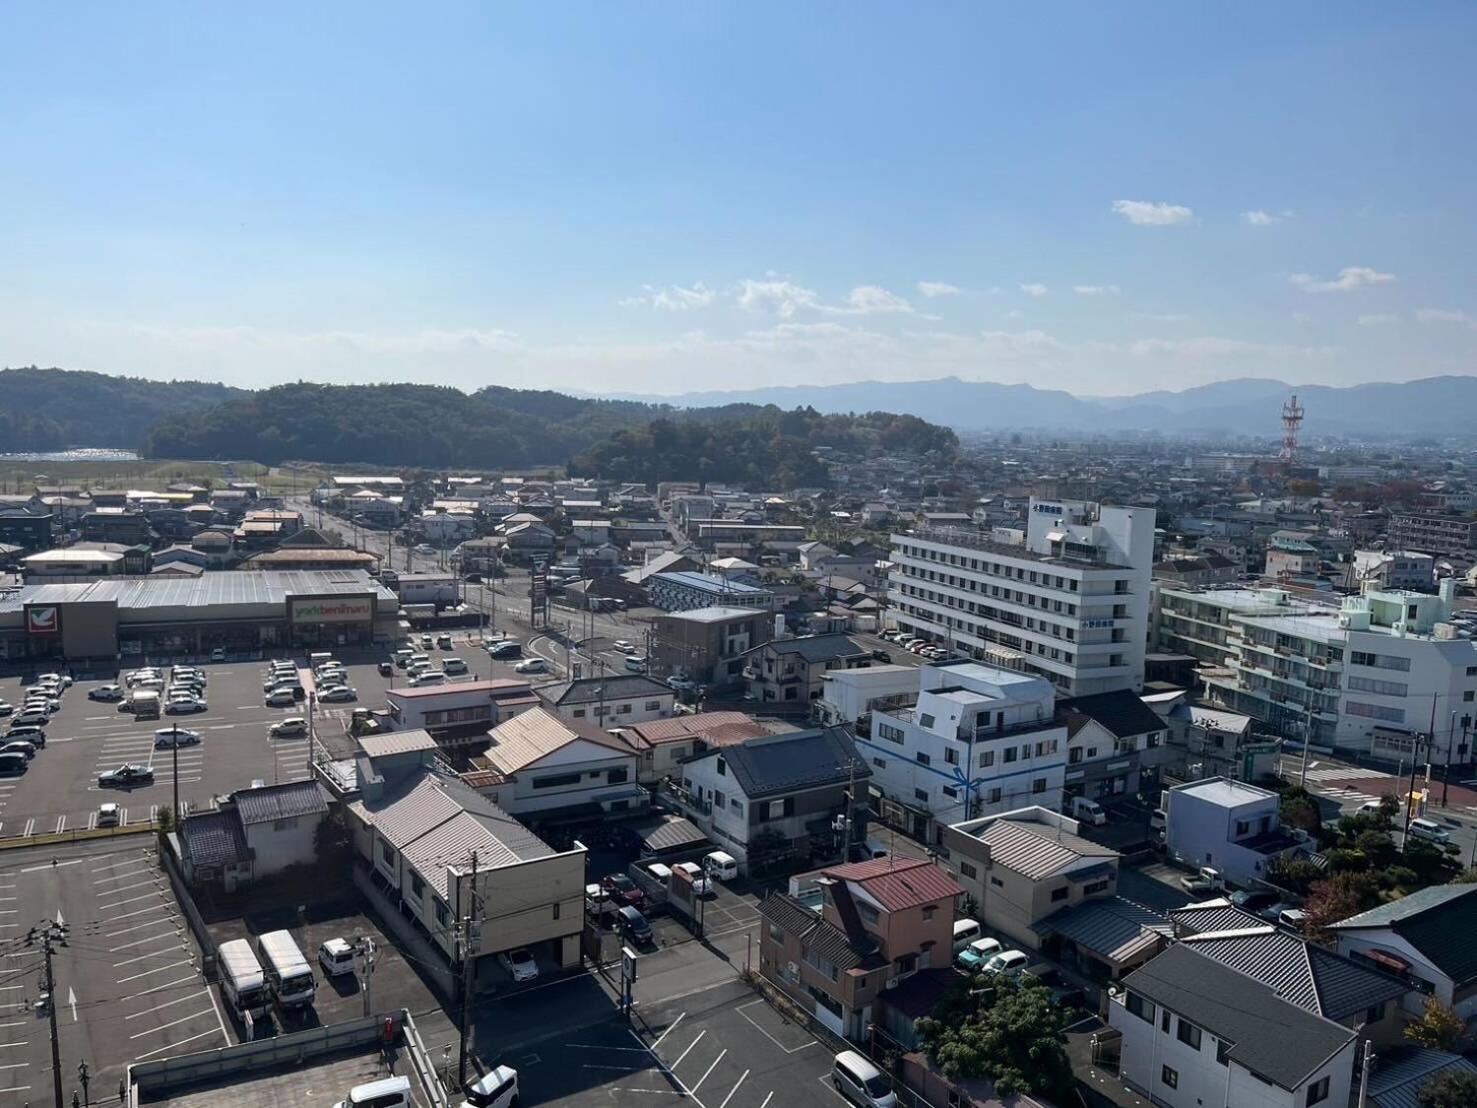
pixel 1254 900
pixel 881 656
pixel 386 669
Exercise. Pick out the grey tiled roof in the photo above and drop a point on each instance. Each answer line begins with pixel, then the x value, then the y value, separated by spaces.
pixel 814 648
pixel 816 933
pixel 793 761
pixel 1309 976
pixel 1272 1037
pixel 1438 921
pixel 1212 915
pixel 214 839
pixel 274 802
pixel 1398 1077
pixel 594 690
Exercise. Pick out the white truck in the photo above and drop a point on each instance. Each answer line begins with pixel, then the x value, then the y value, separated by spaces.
pixel 144 703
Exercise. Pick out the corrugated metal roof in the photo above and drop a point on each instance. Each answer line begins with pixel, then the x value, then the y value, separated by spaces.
pixel 900 883
pixel 1036 850
pixel 413 814
pixel 669 833
pixel 1398 1078
pixel 265 589
pixel 214 839
pixel 274 802
pixel 1212 915
pixel 531 736
pixel 384 743
pixel 681 728
pixel 1115 928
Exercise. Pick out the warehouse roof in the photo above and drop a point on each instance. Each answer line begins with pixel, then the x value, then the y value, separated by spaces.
pixel 263 590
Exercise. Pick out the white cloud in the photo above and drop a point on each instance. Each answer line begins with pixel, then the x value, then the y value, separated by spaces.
pixel 1350 277
pixel 1095 290
pixel 672 298
pixel 932 289
pixel 1152 213
pixel 866 299
pixel 778 295
pixel 1444 315
pixel 1259 218
pixel 1376 319
pixel 1033 289
pixel 1162 317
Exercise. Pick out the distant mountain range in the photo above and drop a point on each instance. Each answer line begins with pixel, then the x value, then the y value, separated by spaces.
pixel 1244 406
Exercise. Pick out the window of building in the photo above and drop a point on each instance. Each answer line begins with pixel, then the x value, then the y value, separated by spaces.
pixel 995 796
pixel 920 794
pixel 868 913
pixel 776 933
pixel 1382 688
pixel 1010 754
pixel 1188 1034
pixel 880 763
pixel 1318 1091
pixel 1374 711
pixel 1164 1018
pixel 624 710
pixel 951 755
pixel 443 914
pixel 736 804
pixel 1038 785
pixel 1143 1009
pixel 967 869
pixel 1094 887
pixel 890 733
pixel 951 792
pixel 999 884
pixel 417 886
pixel 987 759
pixel 1170 1077
pixel 925 720
pixel 653 705
pixel 776 809
pixel 556 781
pixel 1074 755
pixel 924 759
pixel 1060 894
pixel 578 713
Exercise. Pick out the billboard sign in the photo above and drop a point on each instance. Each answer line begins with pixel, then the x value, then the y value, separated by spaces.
pixel 348 609
pixel 44 620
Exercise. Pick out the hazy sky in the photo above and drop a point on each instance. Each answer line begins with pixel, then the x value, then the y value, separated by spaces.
pixel 662 197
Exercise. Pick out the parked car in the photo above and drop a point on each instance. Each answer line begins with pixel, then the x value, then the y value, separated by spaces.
pixel 520 964
pixel 443 642
pixel 285 728
pixel 428 677
pixel 105 692
pixel 108 815
pixel 126 777
pixel 633 925
pixel 19 746
pixel 281 698
pixel 681 684
pixel 6 707
pixel 636 663
pixel 1205 880
pixel 859 1081
pixel 1430 830
pixel 973 958
pixel 623 646
pixel 167 737
pixel 31 732
pixel 702 885
pixel 338 694
pixel 720 865
pixel 621 888
pixel 386 669
pixel 453 665
pixel 533 665
pixel 32 716
pixel 498 1088
pixel 505 648
pixel 181 705
pixel 13 765
pixel 336 957
pixel 427 642
pixel 966 931
pixel 218 654
pixel 1253 900
pixel 1011 963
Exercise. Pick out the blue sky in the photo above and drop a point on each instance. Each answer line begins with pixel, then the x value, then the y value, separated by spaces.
pixel 662 197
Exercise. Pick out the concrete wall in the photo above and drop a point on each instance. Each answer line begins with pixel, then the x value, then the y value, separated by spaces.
pixel 275 849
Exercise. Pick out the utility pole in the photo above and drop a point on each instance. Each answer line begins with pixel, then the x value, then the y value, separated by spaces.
pixel 85 1076
pixel 174 751
pixel 364 949
pixel 471 941
pixel 1446 767
pixel 47 933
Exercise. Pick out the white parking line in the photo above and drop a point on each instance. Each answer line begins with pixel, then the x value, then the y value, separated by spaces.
pixel 156 969
pixel 137 926
pixel 176 933
pixel 171 1046
pixel 166 1004
pixel 30 823
pixel 767 1100
pixel 175 1023
pixel 15 1066
pixel 169 984
pixel 50 865
pixel 145 866
pixel 150 954
pixel 709 1070
pixel 766 1034
pixel 24 1042
pixel 124 888
pixel 132 900
pixel 690 1045
pixel 664 1068
pixel 733 1090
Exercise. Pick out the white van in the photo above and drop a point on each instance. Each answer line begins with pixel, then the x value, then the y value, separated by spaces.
pixel 965 932
pixel 336 957
pixel 860 1082
pixel 1088 811
pixel 721 865
pixel 392 1092
pixel 428 677
pixel 495 1089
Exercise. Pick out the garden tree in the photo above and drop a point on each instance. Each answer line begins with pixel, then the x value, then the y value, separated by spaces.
pixel 1337 898
pixel 1296 874
pixel 1439 1028
pixel 1449 1089
pixel 1300 809
pixel 1466 877
pixel 997 1028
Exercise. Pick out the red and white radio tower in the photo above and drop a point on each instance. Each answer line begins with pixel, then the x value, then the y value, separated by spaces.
pixel 1292 419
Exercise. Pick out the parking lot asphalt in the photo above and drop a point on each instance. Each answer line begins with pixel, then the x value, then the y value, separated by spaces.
pixel 128 981
pixel 60 791
pixel 719 1047
pixel 393 983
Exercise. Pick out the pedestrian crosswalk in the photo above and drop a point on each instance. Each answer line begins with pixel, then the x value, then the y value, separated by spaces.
pixel 1330 781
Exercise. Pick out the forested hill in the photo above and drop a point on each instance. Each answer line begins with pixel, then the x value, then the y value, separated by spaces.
pixel 52 409
pixel 434 427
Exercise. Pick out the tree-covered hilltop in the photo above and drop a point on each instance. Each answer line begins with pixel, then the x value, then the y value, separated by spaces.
pixel 435 427
pixel 761 448
pixel 51 409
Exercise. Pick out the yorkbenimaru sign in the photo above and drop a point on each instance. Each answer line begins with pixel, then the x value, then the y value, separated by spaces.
pixel 44 620
pixel 349 610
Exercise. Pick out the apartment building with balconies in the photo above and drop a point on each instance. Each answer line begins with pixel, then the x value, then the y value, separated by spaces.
pixel 979 740
pixel 1067 602
pixel 1431 533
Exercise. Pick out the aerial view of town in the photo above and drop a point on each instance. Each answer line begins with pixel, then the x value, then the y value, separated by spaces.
pixel 760 556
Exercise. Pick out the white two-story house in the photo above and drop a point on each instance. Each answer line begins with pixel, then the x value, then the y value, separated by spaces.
pixel 979 741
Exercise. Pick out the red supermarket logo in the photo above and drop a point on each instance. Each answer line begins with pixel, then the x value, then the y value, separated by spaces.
pixel 43 621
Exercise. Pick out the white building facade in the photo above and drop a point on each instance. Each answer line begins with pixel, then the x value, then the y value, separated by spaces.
pixel 979 741
pixel 1069 603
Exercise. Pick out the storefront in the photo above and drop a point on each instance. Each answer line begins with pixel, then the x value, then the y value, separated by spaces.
pixel 332 620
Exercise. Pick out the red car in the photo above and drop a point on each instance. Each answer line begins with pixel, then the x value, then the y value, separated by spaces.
pixel 622 889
